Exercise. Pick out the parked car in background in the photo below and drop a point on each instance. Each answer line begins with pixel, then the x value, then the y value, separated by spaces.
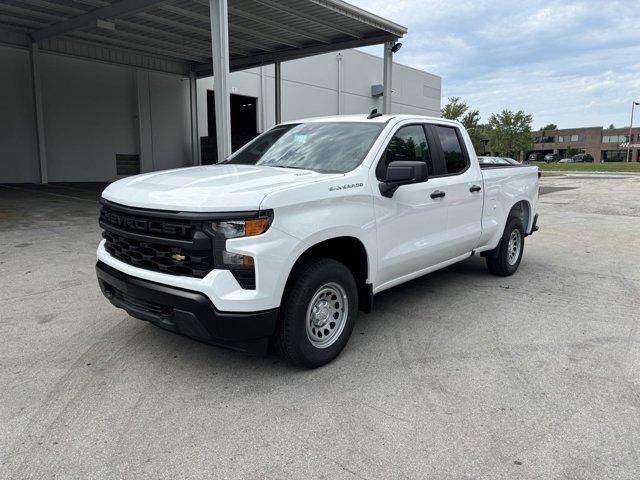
pixel 582 158
pixel 535 157
pixel 551 157
pixel 567 160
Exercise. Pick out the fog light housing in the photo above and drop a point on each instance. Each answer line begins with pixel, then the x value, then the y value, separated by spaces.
pixel 236 259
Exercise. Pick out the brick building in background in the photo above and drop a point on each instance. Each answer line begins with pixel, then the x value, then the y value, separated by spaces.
pixel 605 145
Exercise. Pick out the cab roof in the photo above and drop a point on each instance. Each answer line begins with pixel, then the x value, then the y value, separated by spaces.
pixel 364 118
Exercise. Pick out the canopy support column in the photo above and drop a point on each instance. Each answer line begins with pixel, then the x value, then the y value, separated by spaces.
pixel 387 76
pixel 195 138
pixel 37 102
pixel 220 54
pixel 278 78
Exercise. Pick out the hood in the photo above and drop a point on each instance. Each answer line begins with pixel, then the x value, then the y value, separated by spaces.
pixel 210 188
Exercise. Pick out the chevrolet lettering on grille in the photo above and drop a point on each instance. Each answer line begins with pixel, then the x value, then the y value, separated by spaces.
pixel 145 225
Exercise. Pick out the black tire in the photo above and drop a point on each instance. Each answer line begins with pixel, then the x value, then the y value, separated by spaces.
pixel 291 339
pixel 498 260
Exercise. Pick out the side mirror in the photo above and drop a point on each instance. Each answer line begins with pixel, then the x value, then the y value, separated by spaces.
pixel 402 173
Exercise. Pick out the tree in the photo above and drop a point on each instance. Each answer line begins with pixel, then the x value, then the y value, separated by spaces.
pixel 510 132
pixel 551 126
pixel 457 109
pixel 454 109
pixel 612 127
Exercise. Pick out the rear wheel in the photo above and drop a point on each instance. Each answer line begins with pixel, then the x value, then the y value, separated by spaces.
pixel 317 314
pixel 505 258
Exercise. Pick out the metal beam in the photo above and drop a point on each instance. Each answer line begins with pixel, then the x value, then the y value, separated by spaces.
pixel 185 13
pixel 262 101
pixel 387 77
pixel 8 19
pixel 54 6
pixel 278 78
pixel 49 17
pixel 236 64
pixel 113 10
pixel 280 26
pixel 137 46
pixel 311 18
pixel 220 53
pixel 172 23
pixel 339 60
pixel 195 138
pixel 37 102
pixel 238 12
pixel 263 35
pixel 199 50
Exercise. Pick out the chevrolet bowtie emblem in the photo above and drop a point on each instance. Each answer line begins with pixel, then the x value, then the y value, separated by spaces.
pixel 178 257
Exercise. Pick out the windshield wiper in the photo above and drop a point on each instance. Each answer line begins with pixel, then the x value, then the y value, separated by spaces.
pixel 289 166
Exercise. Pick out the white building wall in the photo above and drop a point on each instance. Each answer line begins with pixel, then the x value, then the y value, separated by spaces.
pixel 310 88
pixel 89 116
pixel 18 141
pixel 94 110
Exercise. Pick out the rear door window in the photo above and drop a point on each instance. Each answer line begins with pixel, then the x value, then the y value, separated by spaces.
pixel 454 156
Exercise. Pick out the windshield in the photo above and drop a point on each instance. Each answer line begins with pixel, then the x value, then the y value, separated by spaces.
pixel 332 147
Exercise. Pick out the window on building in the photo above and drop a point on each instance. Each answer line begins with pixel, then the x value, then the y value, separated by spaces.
pixel 570 138
pixel 454 158
pixel 615 138
pixel 614 155
pixel 545 139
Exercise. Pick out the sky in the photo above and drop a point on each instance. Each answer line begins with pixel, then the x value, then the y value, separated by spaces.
pixel 575 63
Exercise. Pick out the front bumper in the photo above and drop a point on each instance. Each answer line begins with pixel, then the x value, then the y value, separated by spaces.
pixel 186 312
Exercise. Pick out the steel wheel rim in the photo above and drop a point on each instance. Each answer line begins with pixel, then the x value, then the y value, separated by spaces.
pixel 514 246
pixel 326 315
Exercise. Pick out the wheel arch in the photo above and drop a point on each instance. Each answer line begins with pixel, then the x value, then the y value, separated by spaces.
pixel 349 251
pixel 522 210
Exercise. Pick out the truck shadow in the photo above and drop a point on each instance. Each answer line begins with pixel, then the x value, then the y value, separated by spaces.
pixel 422 297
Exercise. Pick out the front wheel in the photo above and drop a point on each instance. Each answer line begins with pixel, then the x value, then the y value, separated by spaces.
pixel 317 314
pixel 505 258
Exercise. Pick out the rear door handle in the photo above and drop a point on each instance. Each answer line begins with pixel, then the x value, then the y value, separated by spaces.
pixel 437 194
pixel 475 188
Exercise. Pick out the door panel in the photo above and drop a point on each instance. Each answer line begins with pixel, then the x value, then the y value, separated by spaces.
pixel 465 201
pixel 411 230
pixel 411 226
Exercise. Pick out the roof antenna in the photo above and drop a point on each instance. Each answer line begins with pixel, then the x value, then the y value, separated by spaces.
pixel 374 113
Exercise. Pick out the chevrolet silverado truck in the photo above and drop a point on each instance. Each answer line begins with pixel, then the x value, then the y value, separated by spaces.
pixel 279 246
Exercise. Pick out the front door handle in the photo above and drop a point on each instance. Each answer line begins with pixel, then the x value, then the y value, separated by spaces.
pixel 437 194
pixel 475 188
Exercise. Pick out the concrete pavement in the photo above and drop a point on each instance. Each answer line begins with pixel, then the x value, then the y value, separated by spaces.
pixel 458 374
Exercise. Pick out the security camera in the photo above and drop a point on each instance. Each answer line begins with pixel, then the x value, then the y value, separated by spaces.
pixel 396 47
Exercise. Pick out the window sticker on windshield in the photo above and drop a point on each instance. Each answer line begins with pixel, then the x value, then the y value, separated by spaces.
pixel 300 139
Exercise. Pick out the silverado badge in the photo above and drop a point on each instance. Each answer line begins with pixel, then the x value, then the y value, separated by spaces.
pixel 178 257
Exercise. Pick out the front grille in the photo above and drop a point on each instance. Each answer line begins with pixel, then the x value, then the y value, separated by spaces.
pixel 154 241
pixel 158 257
pixel 167 242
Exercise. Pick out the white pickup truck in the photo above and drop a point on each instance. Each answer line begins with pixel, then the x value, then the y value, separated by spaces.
pixel 284 242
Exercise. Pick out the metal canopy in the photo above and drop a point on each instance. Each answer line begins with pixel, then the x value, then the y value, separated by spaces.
pixel 179 31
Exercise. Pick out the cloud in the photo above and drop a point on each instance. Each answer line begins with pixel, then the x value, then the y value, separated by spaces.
pixel 570 62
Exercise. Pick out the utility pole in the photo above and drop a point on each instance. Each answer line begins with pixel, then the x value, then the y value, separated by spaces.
pixel 633 106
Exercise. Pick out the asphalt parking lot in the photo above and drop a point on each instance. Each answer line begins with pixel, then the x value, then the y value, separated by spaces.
pixel 455 375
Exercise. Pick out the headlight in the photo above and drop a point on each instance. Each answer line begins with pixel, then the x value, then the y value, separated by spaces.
pixel 244 227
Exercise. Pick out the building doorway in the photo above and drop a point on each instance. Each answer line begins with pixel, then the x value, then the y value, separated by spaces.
pixel 244 125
